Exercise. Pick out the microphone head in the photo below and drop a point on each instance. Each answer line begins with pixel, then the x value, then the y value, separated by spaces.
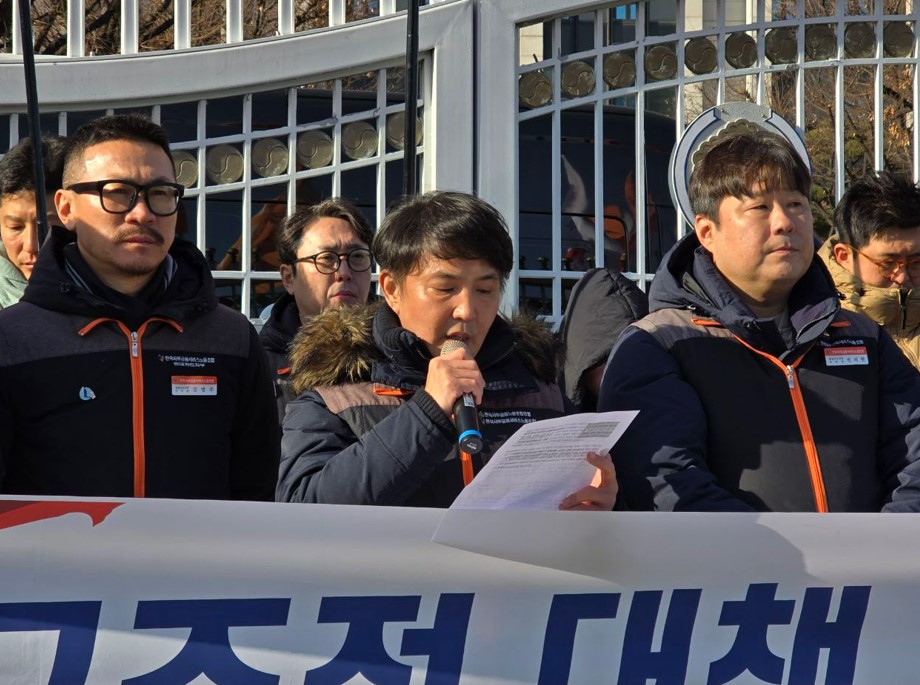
pixel 453 344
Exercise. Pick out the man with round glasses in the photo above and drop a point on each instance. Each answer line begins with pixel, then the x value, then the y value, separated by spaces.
pixel 326 261
pixel 874 255
pixel 130 379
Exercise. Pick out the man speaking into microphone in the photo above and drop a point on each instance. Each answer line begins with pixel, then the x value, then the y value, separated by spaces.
pixel 383 390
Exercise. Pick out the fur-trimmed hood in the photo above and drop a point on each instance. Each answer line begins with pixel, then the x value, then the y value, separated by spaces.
pixel 343 345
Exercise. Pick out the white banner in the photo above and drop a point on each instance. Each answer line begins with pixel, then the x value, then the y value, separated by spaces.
pixel 166 592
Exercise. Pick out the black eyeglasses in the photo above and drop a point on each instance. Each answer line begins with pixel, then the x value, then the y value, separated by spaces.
pixel 890 267
pixel 328 262
pixel 118 197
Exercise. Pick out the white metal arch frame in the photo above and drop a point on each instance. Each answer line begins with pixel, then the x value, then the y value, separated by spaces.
pixel 72 84
pixel 500 113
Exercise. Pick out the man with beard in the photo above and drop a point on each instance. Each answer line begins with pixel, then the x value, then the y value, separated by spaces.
pixel 121 374
pixel 755 390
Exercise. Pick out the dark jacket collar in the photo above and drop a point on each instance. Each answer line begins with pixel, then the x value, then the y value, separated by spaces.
pixel 282 325
pixel 688 279
pixel 350 344
pixel 188 291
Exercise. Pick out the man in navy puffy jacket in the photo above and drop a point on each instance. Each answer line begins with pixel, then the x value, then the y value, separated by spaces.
pixel 756 391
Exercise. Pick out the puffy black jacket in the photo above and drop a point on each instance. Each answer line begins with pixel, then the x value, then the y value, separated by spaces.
pixel 364 431
pixel 276 337
pixel 735 416
pixel 97 398
pixel 601 305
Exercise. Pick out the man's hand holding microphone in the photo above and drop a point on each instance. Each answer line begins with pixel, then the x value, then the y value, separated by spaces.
pixel 455 382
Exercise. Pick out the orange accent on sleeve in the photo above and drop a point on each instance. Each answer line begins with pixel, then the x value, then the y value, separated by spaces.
pixel 393 392
pixel 466 464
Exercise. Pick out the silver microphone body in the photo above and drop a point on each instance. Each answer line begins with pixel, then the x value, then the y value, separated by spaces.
pixel 466 417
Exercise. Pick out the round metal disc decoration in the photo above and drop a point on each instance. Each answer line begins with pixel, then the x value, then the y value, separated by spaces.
pixel 359 140
pixel 396 130
pixel 224 164
pixel 186 165
pixel 535 89
pixel 741 50
pixel 660 62
pixel 707 128
pixel 269 157
pixel 700 55
pixel 780 45
pixel 859 40
pixel 577 79
pixel 820 42
pixel 619 70
pixel 314 149
pixel 899 39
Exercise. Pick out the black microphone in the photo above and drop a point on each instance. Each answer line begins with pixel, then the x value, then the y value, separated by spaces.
pixel 466 418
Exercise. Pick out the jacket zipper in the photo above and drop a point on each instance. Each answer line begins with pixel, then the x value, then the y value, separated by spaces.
pixel 137 393
pixel 801 415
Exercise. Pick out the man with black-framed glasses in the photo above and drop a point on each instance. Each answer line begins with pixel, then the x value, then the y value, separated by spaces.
pixel 325 261
pixel 874 255
pixel 122 375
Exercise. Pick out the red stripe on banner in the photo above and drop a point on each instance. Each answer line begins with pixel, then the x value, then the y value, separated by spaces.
pixel 17 513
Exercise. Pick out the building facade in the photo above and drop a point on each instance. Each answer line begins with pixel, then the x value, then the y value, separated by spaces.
pixel 561 113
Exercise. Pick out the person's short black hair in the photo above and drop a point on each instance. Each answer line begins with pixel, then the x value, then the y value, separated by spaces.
pixel 444 225
pixel 294 227
pixel 874 203
pixel 17 168
pixel 134 127
pixel 738 162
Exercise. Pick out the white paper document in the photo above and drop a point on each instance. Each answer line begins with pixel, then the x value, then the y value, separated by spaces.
pixel 543 462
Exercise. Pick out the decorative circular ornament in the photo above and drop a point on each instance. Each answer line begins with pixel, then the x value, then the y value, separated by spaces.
pixel 269 157
pixel 859 40
pixel 396 130
pixel 224 164
pixel 741 50
pixel 577 79
pixel 820 42
pixel 899 39
pixel 535 89
pixel 700 55
pixel 619 70
pixel 780 45
pixel 314 149
pixel 707 129
pixel 186 166
pixel 660 62
pixel 359 140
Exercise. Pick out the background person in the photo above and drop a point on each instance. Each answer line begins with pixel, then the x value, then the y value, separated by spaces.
pixel 755 390
pixel 122 376
pixel 373 423
pixel 325 262
pixel 874 255
pixel 19 211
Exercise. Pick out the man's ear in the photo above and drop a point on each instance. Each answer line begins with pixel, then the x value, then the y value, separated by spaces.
pixel 390 289
pixel 842 256
pixel 63 203
pixel 287 277
pixel 704 228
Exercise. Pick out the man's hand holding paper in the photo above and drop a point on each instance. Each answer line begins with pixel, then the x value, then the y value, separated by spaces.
pixel 543 466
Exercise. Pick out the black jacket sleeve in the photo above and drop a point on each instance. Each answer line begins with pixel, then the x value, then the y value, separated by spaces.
pixel 899 429
pixel 255 450
pixel 323 460
pixel 661 459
